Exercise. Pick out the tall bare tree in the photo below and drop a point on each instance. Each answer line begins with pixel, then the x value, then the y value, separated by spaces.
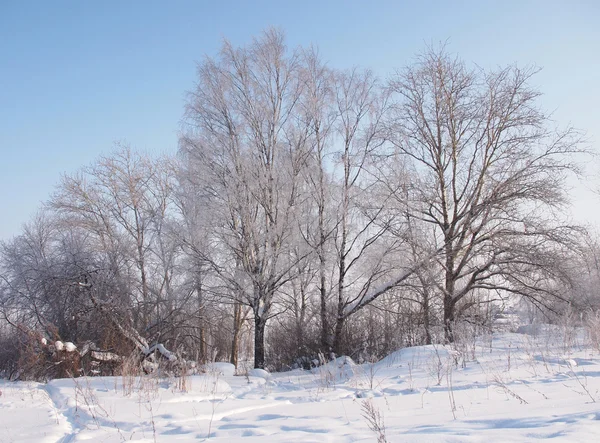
pixel 318 106
pixel 491 175
pixel 360 260
pixel 245 131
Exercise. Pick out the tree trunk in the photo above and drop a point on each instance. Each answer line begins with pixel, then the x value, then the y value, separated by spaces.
pixel 338 348
pixel 300 321
pixel 449 301
pixel 426 322
pixel 202 326
pixel 448 319
pixel 203 356
pixel 237 326
pixel 259 341
pixel 325 341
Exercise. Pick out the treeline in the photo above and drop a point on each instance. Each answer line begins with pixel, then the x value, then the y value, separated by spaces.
pixel 309 211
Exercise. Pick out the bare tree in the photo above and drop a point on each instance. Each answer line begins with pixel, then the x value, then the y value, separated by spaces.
pixel 360 255
pixel 319 110
pixel 345 112
pixel 122 204
pixel 246 135
pixel 36 280
pixel 215 297
pixel 491 176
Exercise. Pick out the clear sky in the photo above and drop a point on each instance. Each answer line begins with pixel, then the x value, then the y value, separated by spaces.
pixel 78 76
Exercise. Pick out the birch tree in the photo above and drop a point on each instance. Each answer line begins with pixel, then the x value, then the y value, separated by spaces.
pixel 360 106
pixel 244 128
pixel 318 107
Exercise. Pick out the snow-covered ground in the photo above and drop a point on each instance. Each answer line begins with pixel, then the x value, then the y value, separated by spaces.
pixel 509 387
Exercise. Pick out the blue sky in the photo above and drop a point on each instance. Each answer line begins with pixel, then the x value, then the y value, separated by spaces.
pixel 78 76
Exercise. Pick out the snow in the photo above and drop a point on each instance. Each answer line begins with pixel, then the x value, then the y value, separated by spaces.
pixel 260 373
pixel 220 368
pixel 70 347
pixel 164 351
pixel 505 387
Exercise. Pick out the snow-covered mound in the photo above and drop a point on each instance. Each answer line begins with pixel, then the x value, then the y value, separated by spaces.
pixel 226 369
pixel 260 373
